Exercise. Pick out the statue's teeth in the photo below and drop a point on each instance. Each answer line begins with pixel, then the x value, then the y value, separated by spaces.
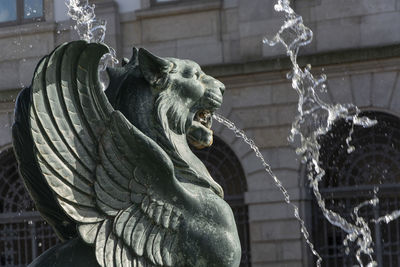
pixel 204 117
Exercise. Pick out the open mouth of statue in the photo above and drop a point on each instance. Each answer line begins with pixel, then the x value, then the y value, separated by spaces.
pixel 204 117
pixel 200 134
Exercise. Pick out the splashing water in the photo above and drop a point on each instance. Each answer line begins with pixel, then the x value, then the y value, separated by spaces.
pixel 87 26
pixel 93 31
pixel 315 118
pixel 388 217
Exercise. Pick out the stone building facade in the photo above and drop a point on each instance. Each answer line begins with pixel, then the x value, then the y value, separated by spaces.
pixel 356 44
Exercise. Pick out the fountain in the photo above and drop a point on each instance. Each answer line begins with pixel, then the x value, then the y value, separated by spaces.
pixel 315 119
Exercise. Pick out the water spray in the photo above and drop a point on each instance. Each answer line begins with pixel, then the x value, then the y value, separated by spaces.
pixel 315 118
pixel 92 30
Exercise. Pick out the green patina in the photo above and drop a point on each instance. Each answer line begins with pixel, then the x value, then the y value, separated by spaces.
pixel 112 171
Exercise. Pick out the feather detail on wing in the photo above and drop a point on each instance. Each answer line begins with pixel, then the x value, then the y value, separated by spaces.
pixel 89 155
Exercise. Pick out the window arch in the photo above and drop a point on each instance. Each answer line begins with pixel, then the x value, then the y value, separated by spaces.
pixel 23 233
pixel 226 170
pixel 351 178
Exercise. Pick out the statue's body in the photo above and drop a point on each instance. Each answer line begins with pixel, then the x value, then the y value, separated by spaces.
pixel 112 172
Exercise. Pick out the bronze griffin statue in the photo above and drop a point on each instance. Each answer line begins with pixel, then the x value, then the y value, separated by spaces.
pixel 112 171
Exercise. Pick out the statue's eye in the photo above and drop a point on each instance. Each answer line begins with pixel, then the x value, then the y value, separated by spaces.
pixel 188 73
pixel 191 74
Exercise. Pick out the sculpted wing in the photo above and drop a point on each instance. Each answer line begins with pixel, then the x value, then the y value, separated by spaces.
pixel 89 155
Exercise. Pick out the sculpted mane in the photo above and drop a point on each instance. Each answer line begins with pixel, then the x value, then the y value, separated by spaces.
pixel 163 114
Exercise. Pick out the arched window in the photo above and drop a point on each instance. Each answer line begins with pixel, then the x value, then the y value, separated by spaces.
pixel 351 178
pixel 226 170
pixel 23 233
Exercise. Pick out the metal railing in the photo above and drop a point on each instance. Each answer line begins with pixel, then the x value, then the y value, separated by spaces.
pixel 23 237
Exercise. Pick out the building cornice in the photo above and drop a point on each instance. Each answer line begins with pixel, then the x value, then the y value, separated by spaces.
pixel 279 64
pixel 177 9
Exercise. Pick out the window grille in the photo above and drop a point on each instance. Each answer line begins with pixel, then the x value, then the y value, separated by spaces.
pixel 23 233
pixel 351 178
pixel 226 170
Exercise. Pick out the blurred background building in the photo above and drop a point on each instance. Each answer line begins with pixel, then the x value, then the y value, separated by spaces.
pixel 356 43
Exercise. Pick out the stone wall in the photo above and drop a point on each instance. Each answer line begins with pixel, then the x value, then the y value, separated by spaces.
pixel 216 31
pixel 21 48
pixel 344 24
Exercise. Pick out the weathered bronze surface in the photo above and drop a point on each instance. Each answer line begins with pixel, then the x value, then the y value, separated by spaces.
pixel 112 171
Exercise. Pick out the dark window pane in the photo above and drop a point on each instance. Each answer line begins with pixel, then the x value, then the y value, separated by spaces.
pixel 8 10
pixel 33 9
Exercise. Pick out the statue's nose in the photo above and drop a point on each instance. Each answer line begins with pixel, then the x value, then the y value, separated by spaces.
pixel 210 81
pixel 220 85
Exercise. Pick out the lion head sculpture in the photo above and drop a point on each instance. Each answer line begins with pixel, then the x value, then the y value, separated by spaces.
pixel 112 171
pixel 177 101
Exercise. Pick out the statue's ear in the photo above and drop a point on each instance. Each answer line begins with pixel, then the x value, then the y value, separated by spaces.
pixel 153 68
